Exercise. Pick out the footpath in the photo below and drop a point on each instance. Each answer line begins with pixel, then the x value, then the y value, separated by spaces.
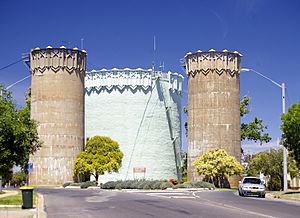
pixel 16 211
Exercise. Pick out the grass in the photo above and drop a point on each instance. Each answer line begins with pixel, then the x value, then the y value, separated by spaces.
pixel 15 199
pixel 289 195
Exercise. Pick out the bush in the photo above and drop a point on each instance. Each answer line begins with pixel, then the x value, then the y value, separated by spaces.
pixel 88 184
pixel 200 184
pixel 66 184
pixel 139 184
pixel 109 185
pixel 165 185
pixel 75 184
pixel 173 181
pixel 18 178
pixel 184 185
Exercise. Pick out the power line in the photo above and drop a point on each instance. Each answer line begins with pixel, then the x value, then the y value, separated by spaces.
pixel 9 65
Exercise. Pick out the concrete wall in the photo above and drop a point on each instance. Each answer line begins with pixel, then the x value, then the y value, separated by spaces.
pixel 57 104
pixel 141 110
pixel 213 104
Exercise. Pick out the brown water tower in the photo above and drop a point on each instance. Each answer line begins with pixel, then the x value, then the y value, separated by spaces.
pixel 213 104
pixel 57 104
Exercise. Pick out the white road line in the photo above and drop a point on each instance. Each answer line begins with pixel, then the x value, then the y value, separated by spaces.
pixel 171 195
pixel 216 204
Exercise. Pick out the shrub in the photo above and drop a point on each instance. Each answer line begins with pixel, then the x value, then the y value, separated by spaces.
pixel 66 184
pixel 75 184
pixel 184 185
pixel 200 184
pixel 88 184
pixel 141 184
pixel 18 178
pixel 165 185
pixel 109 185
pixel 173 181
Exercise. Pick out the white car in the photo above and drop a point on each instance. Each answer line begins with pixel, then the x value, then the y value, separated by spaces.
pixel 252 186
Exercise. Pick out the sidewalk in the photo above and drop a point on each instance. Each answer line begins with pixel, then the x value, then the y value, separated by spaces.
pixel 15 211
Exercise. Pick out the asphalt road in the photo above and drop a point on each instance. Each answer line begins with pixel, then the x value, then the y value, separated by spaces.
pixel 116 204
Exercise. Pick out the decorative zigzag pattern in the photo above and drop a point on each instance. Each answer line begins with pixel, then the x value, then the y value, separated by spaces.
pixel 213 62
pixel 129 78
pixel 57 59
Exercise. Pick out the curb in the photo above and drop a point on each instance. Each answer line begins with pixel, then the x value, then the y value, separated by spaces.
pixel 40 207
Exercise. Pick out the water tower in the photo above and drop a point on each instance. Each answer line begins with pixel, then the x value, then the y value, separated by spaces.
pixel 213 104
pixel 57 104
pixel 141 110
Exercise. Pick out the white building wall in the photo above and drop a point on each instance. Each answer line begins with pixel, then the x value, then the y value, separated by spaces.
pixel 141 110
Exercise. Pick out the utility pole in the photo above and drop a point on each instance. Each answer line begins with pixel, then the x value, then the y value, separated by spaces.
pixel 285 185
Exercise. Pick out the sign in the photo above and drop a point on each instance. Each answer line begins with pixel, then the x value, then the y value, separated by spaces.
pixel 139 169
pixel 30 167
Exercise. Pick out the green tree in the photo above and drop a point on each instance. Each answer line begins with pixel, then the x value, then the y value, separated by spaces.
pixel 184 166
pixel 18 134
pixel 255 130
pixel 291 131
pixel 270 163
pixel 216 165
pixel 100 154
pixel 18 178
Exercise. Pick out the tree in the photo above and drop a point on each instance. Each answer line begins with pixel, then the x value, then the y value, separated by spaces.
pixel 18 134
pixel 184 166
pixel 255 130
pixel 270 163
pixel 100 154
pixel 291 131
pixel 216 165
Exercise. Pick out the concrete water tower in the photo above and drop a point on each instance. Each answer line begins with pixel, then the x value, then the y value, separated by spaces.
pixel 213 104
pixel 57 104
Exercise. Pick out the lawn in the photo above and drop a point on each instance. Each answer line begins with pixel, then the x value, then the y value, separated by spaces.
pixel 15 199
pixel 290 195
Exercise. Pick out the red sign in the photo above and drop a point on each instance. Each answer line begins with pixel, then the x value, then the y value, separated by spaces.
pixel 139 169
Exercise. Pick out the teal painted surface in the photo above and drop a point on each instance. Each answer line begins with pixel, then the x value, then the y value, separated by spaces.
pixel 142 111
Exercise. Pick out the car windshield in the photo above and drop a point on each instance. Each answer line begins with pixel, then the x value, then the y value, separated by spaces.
pixel 252 180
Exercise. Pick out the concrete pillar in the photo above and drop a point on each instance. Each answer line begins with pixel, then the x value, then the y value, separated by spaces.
pixel 57 104
pixel 213 105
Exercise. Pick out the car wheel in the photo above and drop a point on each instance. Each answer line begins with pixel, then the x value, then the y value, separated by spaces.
pixel 241 193
pixel 263 195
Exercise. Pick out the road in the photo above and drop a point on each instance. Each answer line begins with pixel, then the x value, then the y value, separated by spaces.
pixel 176 204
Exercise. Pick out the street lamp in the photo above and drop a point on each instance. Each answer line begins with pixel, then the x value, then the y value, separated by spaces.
pixel 282 86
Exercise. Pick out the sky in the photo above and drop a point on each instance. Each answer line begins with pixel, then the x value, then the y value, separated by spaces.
pixel 120 34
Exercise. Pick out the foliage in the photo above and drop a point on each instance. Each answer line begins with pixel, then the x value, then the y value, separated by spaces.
pixel 199 184
pixel 184 167
pixel 100 154
pixel 109 185
pixel 88 184
pixel 216 165
pixel 18 178
pixel 66 184
pixel 173 181
pixel 291 131
pixel 254 130
pixel 18 134
pixel 137 184
pixel 270 163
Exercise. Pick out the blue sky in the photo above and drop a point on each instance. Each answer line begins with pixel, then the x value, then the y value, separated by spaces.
pixel 120 34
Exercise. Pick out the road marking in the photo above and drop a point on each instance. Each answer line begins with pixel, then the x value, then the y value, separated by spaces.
pixel 171 195
pixel 216 204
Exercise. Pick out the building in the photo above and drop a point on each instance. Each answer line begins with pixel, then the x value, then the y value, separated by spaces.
pixel 213 105
pixel 57 104
pixel 141 110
